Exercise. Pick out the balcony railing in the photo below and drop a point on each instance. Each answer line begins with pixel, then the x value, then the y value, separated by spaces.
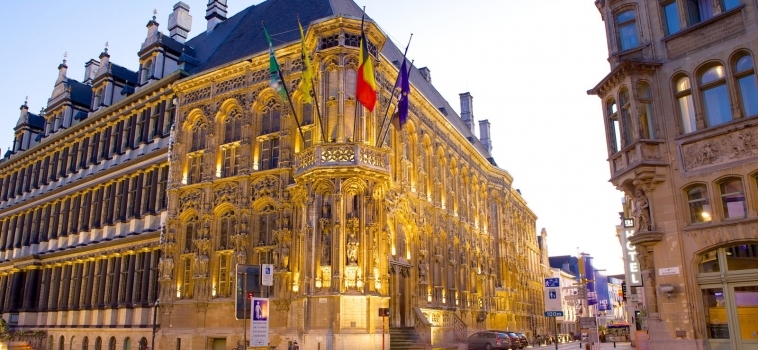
pixel 342 155
pixel 642 152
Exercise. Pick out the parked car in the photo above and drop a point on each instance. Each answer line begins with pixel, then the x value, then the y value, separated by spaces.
pixel 489 340
pixel 522 338
pixel 513 342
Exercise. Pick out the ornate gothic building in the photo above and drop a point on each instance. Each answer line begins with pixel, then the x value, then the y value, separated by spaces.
pixel 680 107
pixel 133 187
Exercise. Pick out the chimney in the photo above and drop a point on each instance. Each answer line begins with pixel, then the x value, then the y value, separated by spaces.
pixel 484 135
pixel 215 13
pixel 179 22
pixel 426 74
pixel 90 71
pixel 467 111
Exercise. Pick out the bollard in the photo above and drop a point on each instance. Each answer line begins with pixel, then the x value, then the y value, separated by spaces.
pixel 614 344
pixel 586 346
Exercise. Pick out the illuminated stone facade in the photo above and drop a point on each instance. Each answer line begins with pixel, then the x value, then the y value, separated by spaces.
pixel 352 217
pixel 680 105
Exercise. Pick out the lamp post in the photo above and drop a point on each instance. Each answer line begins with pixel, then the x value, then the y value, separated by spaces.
pixel 155 316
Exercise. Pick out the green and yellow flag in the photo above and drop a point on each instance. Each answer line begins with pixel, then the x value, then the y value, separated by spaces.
pixel 276 82
pixel 306 81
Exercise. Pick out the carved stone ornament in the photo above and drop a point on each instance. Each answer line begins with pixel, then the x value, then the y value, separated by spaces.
pixel 720 149
pixel 227 193
pixel 190 200
pixel 166 267
pixel 267 186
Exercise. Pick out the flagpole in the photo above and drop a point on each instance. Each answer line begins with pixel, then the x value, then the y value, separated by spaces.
pixel 392 94
pixel 286 92
pixel 388 125
pixel 318 112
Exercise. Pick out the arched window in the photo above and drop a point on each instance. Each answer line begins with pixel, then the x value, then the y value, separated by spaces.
pixel 232 128
pixel 85 343
pixel 271 117
pixel 715 96
pixel 147 70
pixel 127 344
pixel 744 72
pixel 71 343
pixel 61 343
pixel 647 122
pixel 143 344
pixel 198 137
pixel 626 117
pixel 686 105
pixel 699 204
pixel 733 198
pixel 112 344
pixel 190 227
pixel 227 223
pixel 98 343
pixel 614 131
pixel 626 25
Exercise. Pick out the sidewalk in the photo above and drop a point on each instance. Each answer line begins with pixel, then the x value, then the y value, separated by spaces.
pixel 575 345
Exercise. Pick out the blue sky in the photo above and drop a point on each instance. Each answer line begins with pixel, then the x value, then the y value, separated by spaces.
pixel 528 65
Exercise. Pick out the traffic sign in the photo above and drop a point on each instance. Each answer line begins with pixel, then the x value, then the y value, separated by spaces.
pixel 552 282
pixel 553 302
pixel 553 313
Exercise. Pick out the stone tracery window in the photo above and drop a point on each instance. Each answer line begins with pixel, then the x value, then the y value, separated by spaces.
pixel 686 105
pixel 269 146
pixel 614 130
pixel 716 104
pixel 191 227
pixel 626 117
pixel 647 122
pixel 699 204
pixel 226 228
pixel 744 73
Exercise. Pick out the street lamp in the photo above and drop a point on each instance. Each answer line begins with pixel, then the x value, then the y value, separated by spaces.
pixel 155 315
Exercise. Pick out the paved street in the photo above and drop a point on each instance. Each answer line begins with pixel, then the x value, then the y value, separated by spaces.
pixel 575 345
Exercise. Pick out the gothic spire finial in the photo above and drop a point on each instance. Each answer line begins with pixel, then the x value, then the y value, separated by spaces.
pixel 106 47
pixel 65 55
pixel 155 12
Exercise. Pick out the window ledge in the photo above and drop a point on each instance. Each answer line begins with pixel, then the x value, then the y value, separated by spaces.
pixel 632 50
pixel 712 225
pixel 735 124
pixel 705 23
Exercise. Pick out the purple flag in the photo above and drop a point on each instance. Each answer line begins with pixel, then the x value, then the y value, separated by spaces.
pixel 603 299
pixel 402 105
pixel 589 274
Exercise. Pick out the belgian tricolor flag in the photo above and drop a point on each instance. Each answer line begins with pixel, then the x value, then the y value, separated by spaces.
pixel 365 88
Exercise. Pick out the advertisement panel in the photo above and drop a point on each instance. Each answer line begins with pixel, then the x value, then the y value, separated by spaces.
pixel 589 273
pixel 603 297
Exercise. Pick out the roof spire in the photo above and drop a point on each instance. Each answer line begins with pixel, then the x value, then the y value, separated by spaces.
pixel 65 55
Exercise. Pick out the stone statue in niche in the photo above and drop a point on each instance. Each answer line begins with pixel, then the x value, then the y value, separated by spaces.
pixel 370 214
pixel 423 271
pixel 166 267
pixel 201 266
pixel 275 255
pixel 401 240
pixel 285 255
pixel 241 256
pixel 641 211
pixel 326 250
pixel 644 257
pixel 352 249
pixel 326 209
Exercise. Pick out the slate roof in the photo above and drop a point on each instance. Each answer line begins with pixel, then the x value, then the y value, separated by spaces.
pixel 241 36
pixel 33 120
pixel 123 74
pixel 80 93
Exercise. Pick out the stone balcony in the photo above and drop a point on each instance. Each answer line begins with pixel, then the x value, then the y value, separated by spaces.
pixel 640 154
pixel 342 155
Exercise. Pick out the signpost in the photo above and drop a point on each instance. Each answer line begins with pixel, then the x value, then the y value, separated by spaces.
pixel 553 303
pixel 588 326
pixel 267 274
pixel 383 312
pixel 259 322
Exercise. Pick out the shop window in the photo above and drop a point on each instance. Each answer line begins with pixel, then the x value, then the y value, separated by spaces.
pixel 746 299
pixel 742 257
pixel 715 96
pixel 645 95
pixel 699 204
pixel 709 262
pixel 671 17
pixel 716 321
pixel 627 30
pixel 733 199
pixel 745 76
pixel 686 105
